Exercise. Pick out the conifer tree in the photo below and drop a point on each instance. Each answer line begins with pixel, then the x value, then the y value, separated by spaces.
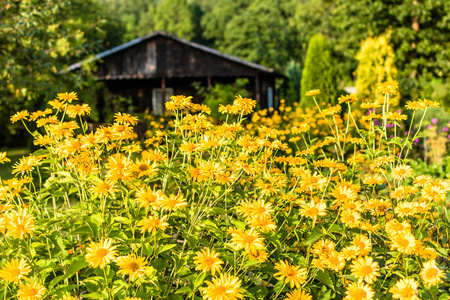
pixel 375 66
pixel 319 72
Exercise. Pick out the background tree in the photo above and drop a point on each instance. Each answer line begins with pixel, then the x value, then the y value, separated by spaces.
pixel 175 17
pixel 38 39
pixel 319 71
pixel 294 74
pixel 376 65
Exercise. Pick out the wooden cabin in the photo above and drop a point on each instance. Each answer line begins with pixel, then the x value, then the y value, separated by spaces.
pixel 154 67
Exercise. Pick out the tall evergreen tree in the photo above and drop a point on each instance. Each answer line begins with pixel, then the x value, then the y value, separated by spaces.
pixel 319 71
pixel 376 65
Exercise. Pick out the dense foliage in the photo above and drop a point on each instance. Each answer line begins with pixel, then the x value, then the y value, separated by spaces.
pixel 38 39
pixel 208 211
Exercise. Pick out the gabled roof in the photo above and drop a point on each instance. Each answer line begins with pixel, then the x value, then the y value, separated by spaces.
pixel 180 40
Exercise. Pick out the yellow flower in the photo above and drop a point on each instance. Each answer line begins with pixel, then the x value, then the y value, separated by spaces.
pixel 406 209
pixel 125 119
pixel 373 179
pixel 319 263
pixel 312 93
pixel 363 244
pixel 434 192
pixel 249 240
pixel 67 97
pixel 323 248
pixel 100 254
pixel 343 194
pixel 335 261
pixel 350 218
pixel 291 274
pixel 366 269
pixel 259 208
pixel 243 105
pixel 431 274
pixel 258 255
pixel 146 197
pixel 31 291
pixel 422 180
pixel 395 227
pixel 415 105
pixel 404 243
pixel 78 110
pixel 21 115
pixel 405 289
pixel 359 291
pixel 264 224
pixel 20 223
pixel 378 207
pixel 208 260
pixel 389 87
pixel 15 270
pixel 26 164
pixel 430 103
pixel 350 252
pixel 298 295
pixel 172 203
pixel 314 209
pixel 401 172
pixel 131 265
pixel 226 287
pixel 3 158
pixel 151 224
pixel 348 98
pixel 103 188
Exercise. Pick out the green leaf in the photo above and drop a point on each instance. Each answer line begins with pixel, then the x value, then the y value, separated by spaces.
pixel 96 295
pixel 325 278
pixel 82 230
pixel 315 235
pixel 259 292
pixel 74 267
pixel 93 283
pixel 166 248
pixel 122 220
pixel 184 289
pixel 199 280
pixel 148 250
pixel 193 241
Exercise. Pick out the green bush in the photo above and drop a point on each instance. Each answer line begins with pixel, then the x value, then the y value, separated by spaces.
pixel 319 71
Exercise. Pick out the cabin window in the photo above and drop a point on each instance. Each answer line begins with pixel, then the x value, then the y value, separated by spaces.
pixel 270 97
pixel 158 105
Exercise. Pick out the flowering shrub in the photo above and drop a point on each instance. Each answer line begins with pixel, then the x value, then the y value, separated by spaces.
pixel 215 212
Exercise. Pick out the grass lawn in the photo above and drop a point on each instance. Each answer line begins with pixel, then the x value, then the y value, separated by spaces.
pixel 14 154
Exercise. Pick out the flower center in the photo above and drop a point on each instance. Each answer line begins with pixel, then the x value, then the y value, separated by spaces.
pixel 102 252
pixel 408 292
pixel 431 272
pixel 313 210
pixel 220 290
pixel 15 272
pixel 133 266
pixel 143 167
pixel 360 294
pixel 248 239
pixel 366 270
pixel 403 242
